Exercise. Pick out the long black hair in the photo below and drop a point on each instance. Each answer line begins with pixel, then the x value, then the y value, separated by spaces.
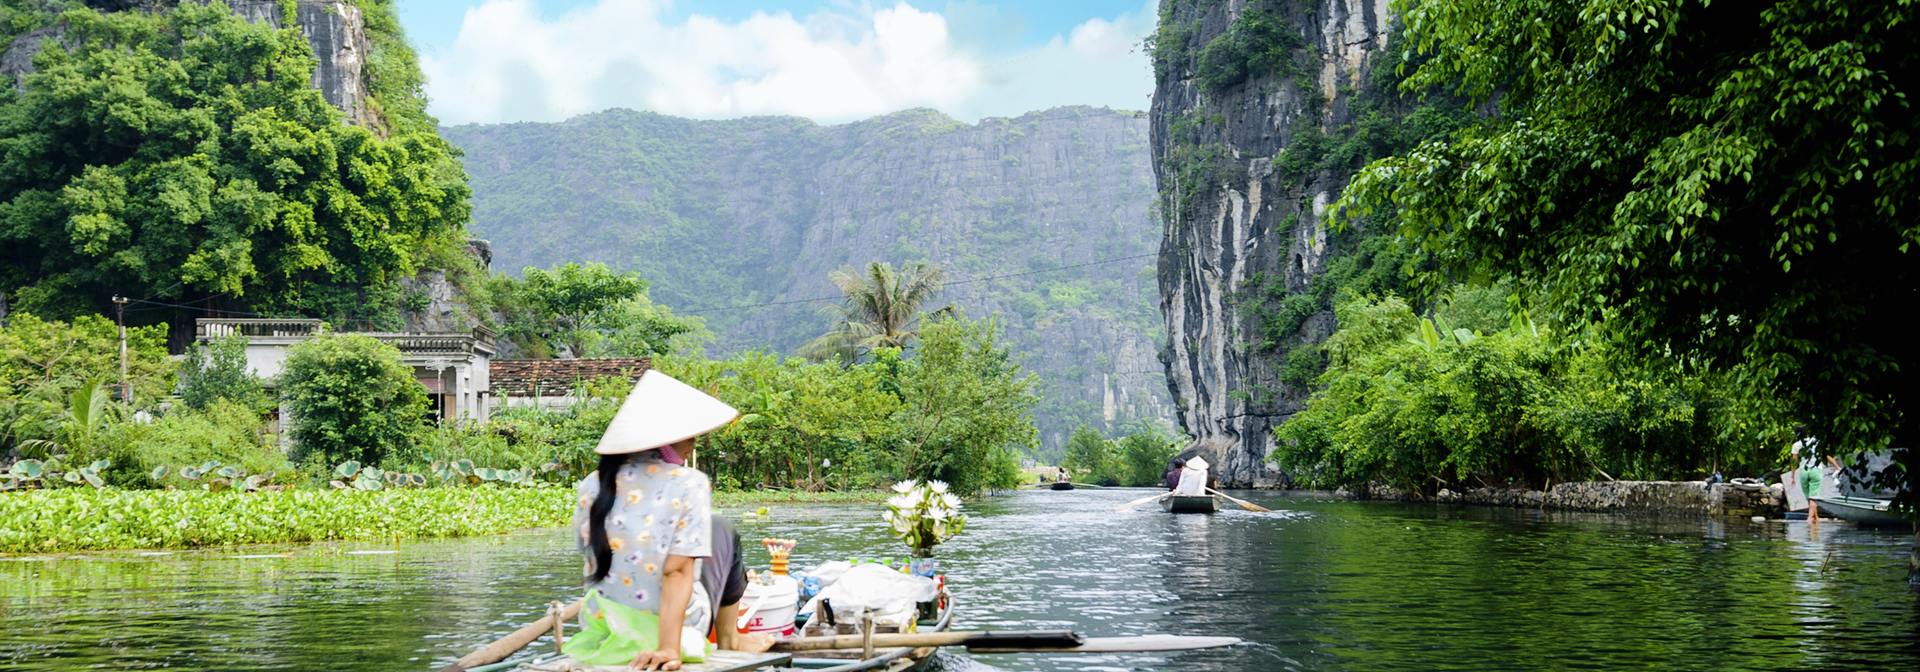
pixel 597 516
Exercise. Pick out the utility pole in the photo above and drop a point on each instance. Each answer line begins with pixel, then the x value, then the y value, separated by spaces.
pixel 120 315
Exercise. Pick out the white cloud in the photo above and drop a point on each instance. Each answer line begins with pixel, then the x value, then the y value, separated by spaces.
pixel 509 64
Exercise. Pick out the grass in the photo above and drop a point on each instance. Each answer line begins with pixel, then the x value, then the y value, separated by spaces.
pixel 78 519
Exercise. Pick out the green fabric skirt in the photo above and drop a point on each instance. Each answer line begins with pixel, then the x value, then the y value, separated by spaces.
pixel 613 634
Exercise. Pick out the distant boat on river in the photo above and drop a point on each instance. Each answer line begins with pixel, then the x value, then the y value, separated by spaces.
pixel 1190 504
pixel 1862 511
pixel 1062 485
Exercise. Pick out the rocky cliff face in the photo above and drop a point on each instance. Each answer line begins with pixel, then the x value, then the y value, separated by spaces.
pixel 1042 220
pixel 1238 84
pixel 334 28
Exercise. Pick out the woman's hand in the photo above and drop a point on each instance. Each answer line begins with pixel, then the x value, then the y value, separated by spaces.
pixel 656 660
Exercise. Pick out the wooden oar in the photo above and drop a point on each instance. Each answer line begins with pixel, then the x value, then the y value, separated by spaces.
pixel 1250 506
pixel 505 646
pixel 1139 643
pixel 1007 642
pixel 1140 501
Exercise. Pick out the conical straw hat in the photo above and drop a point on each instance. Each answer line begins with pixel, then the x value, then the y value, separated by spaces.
pixel 661 410
pixel 1196 464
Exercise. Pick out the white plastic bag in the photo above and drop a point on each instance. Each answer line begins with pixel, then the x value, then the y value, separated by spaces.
pixel 891 594
pixel 829 572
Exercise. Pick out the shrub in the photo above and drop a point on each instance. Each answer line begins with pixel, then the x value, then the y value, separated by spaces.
pixel 350 399
pixel 225 430
pixel 218 370
pixel 1257 43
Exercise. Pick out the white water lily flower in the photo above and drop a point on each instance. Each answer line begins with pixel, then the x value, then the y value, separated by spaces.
pixel 939 487
pixel 915 498
pixel 951 501
pixel 938 514
pixel 903 486
pixel 900 502
pixel 939 529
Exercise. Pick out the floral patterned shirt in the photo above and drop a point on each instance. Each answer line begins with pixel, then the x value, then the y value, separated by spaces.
pixel 663 509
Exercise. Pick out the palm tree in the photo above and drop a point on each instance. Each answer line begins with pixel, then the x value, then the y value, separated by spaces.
pixel 880 309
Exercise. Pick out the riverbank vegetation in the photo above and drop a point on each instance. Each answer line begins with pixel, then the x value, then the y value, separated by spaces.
pixel 78 519
pixel 1725 193
pixel 1138 458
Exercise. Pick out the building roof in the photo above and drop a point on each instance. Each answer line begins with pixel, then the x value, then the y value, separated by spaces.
pixel 557 377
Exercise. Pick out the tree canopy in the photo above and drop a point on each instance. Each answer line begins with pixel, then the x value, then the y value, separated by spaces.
pixel 1730 185
pixel 182 155
pixel 881 309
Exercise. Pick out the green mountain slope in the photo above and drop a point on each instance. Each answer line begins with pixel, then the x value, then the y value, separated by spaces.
pixel 740 221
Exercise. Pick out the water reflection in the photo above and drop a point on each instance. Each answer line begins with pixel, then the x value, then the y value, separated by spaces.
pixel 1317 585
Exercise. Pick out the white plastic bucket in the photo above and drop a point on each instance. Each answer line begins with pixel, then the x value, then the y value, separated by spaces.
pixel 770 609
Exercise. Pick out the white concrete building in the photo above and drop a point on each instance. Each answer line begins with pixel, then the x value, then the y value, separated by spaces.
pixel 455 367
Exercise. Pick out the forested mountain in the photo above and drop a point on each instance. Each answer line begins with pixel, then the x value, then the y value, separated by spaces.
pixel 1043 220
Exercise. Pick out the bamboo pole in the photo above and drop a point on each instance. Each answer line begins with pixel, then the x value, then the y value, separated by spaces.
pixel 505 646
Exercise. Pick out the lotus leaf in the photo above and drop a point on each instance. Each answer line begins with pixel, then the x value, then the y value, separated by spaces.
pixel 190 473
pixel 28 470
pixel 367 484
pixel 93 480
pixel 463 467
pixel 346 469
pixel 99 465
pixel 209 466
pixel 337 485
pixel 72 477
pixel 416 480
pixel 229 472
pixel 395 478
pixel 159 472
pixel 255 481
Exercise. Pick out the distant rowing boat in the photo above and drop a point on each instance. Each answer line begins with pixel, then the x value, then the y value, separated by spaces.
pixel 1863 511
pixel 1190 504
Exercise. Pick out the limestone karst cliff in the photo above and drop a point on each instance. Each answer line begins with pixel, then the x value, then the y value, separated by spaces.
pixel 1250 97
pixel 1042 220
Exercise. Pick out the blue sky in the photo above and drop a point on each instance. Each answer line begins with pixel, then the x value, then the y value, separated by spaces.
pixel 492 61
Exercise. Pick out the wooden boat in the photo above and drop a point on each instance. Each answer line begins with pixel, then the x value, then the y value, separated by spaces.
pixel 1862 511
pixel 1062 485
pixel 898 659
pixel 1190 504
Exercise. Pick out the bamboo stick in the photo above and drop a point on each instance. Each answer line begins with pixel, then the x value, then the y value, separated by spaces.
pixel 505 646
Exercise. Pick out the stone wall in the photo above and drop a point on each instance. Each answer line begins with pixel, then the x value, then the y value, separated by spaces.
pixel 1665 498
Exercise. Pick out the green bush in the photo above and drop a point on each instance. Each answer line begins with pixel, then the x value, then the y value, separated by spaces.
pixel 226 431
pixel 1421 405
pixel 1091 458
pixel 76 519
pixel 218 370
pixel 350 398
pixel 1145 452
pixel 1255 44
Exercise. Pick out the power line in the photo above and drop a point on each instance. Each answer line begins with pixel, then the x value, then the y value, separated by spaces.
pixel 702 311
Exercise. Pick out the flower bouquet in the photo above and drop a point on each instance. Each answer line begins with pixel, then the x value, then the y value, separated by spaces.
pixel 924 515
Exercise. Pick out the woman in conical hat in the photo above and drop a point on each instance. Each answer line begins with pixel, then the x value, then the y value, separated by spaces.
pixel 642 519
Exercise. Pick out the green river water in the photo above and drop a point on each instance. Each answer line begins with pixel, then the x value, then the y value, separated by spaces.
pixel 1317 585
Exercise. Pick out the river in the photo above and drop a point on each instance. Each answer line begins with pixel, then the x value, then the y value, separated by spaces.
pixel 1319 584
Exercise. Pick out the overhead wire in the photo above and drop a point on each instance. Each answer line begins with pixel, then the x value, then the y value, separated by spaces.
pixel 702 311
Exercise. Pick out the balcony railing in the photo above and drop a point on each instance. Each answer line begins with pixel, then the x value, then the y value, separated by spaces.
pixel 211 328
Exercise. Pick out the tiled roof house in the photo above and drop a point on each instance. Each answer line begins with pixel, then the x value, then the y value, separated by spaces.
pixel 551 382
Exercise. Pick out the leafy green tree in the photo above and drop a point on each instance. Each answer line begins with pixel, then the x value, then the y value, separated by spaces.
pixel 881 309
pixel 1091 456
pixel 638 327
pixel 567 306
pixel 965 408
pixel 1420 405
pixel 1731 185
pixel 182 153
pixel 1144 454
pixel 37 353
pixel 218 370
pixel 351 398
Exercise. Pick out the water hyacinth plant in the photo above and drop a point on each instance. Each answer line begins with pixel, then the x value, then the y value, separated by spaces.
pixel 923 516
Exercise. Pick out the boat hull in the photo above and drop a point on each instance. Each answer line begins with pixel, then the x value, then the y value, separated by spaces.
pixel 1862 511
pixel 1062 486
pixel 1183 504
